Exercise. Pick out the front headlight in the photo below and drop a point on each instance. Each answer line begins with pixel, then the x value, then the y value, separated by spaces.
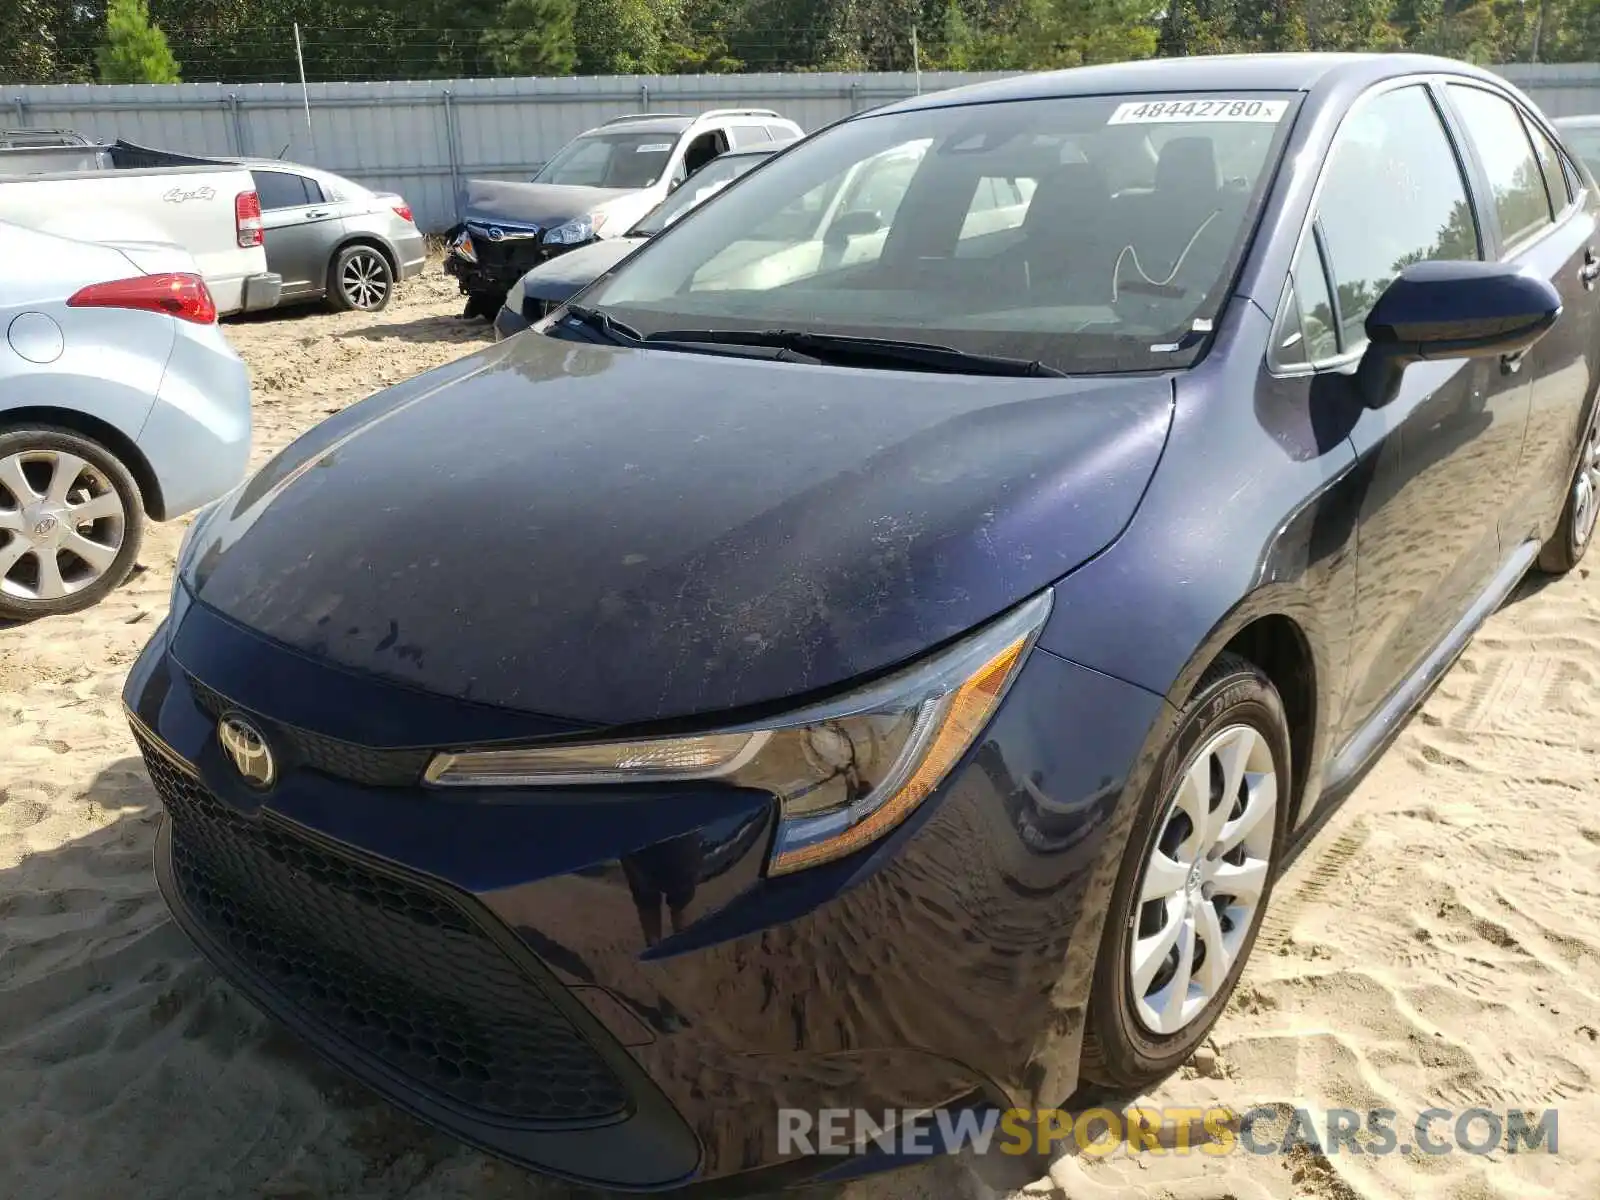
pixel 577 230
pixel 845 772
pixel 464 247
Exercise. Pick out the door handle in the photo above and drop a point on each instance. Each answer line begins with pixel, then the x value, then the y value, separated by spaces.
pixel 316 213
pixel 1590 271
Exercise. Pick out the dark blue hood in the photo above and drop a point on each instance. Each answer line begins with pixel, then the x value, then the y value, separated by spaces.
pixel 617 536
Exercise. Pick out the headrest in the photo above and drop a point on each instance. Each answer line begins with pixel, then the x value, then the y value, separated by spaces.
pixel 1188 165
pixel 1073 191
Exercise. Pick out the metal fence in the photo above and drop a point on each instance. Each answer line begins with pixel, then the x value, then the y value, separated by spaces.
pixel 423 138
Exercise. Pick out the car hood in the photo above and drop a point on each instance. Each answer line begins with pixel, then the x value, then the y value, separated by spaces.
pixel 540 204
pixel 616 536
pixel 565 275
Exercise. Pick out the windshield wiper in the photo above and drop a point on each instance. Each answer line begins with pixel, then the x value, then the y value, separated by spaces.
pixel 610 328
pixel 866 351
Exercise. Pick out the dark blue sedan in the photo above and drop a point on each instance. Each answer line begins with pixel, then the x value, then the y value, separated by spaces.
pixel 875 648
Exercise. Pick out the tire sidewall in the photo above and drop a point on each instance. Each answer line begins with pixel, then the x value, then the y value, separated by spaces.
pixel 1241 696
pixel 109 465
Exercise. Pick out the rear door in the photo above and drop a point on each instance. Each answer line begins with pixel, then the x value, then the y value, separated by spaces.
pixel 1545 221
pixel 302 228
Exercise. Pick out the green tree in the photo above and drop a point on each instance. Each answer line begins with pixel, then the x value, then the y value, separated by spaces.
pixel 532 37
pixel 135 50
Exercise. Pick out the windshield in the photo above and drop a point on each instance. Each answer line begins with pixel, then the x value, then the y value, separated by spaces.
pixel 1585 143
pixel 610 160
pixel 702 185
pixel 1087 233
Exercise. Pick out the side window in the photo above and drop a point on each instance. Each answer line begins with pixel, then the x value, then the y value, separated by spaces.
pixel 314 191
pixel 1393 194
pixel 1555 179
pixel 278 190
pixel 1306 332
pixel 748 135
pixel 1502 144
pixel 780 133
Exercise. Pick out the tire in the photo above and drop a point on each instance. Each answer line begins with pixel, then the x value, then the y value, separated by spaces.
pixel 38 527
pixel 484 306
pixel 361 279
pixel 1575 530
pixel 1124 1054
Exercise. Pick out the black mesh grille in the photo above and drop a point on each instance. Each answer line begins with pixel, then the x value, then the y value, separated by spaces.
pixel 394 968
pixel 344 760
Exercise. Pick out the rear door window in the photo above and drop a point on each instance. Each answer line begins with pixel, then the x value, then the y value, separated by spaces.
pixel 279 189
pixel 1497 133
pixel 748 135
pixel 1555 176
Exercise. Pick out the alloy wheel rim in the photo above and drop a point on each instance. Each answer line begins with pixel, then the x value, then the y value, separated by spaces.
pixel 1586 489
pixel 365 280
pixel 62 524
pixel 1201 889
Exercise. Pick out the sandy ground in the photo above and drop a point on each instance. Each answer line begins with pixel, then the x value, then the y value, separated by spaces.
pixel 1437 945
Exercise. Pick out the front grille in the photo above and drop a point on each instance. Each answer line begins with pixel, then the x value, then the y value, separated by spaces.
pixel 390 966
pixel 343 760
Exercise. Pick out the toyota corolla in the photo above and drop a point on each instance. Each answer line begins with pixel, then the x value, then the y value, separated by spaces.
pixel 888 675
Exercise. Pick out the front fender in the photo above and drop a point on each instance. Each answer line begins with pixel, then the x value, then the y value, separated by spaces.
pixel 1251 513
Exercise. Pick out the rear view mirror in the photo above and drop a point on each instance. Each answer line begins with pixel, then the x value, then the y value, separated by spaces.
pixel 853 224
pixel 1444 310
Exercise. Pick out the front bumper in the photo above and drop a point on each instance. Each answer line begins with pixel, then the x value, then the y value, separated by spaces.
pixel 602 984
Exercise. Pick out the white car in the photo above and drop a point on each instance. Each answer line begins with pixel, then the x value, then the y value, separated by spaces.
pixel 123 193
pixel 596 186
pixel 119 399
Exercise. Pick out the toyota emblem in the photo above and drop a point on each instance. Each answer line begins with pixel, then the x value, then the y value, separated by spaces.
pixel 247 747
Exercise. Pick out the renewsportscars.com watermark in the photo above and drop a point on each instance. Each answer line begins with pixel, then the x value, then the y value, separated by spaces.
pixel 1211 1131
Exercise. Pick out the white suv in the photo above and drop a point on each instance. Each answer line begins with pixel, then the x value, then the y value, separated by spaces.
pixel 596 186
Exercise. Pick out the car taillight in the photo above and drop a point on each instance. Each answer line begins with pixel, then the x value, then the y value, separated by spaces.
pixel 176 293
pixel 247 218
pixel 403 211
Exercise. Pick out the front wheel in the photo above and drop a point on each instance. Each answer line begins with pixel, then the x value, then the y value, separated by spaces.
pixel 360 278
pixel 70 523
pixel 1194 884
pixel 1581 510
pixel 484 306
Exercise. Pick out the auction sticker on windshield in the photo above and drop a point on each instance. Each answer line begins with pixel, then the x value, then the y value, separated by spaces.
pixel 654 148
pixel 1210 109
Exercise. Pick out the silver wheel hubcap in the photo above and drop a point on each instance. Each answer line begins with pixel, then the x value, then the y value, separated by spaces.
pixel 1200 894
pixel 61 524
pixel 365 281
pixel 1586 489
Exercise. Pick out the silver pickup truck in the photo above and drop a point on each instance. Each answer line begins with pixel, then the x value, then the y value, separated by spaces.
pixel 121 193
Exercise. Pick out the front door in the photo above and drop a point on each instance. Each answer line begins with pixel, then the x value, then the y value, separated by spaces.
pixel 301 229
pixel 1545 222
pixel 1439 455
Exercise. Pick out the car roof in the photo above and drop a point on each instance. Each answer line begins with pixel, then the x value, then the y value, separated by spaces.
pixel 642 125
pixel 1203 73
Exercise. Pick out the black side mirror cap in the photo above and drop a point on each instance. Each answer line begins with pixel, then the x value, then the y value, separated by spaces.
pixel 1445 310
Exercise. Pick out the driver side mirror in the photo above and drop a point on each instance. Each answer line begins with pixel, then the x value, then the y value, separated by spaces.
pixel 1445 310
pixel 848 225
